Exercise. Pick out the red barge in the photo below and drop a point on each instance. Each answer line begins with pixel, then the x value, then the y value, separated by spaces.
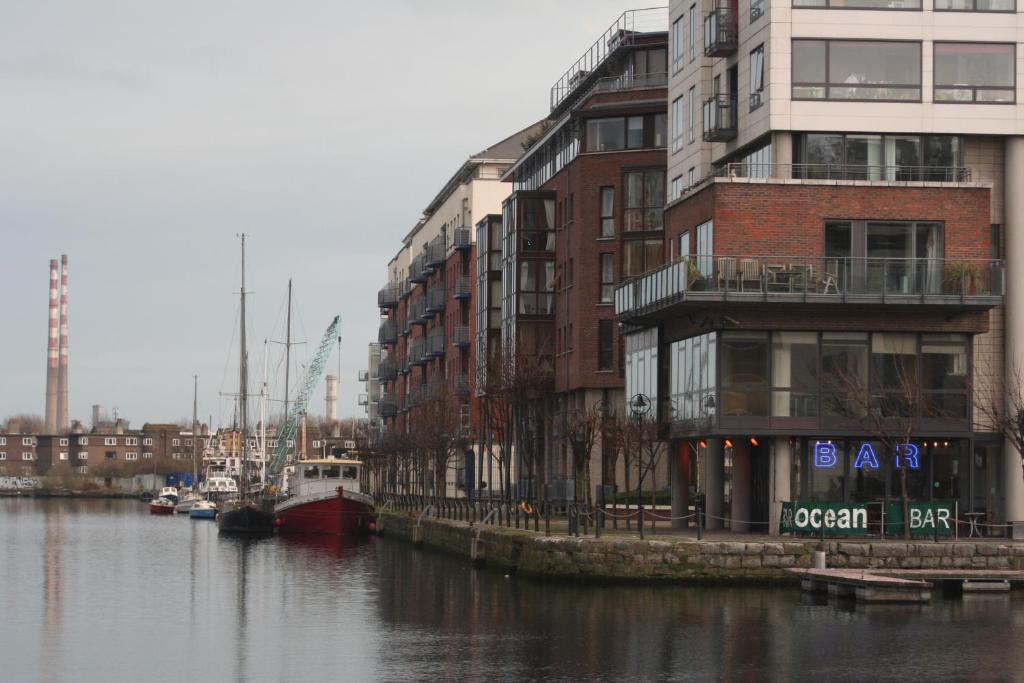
pixel 325 498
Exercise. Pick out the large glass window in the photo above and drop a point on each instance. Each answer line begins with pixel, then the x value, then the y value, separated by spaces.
pixel 856 70
pixel 975 5
pixel 756 77
pixel 861 4
pixel 536 287
pixel 975 72
pixel 678 126
pixel 878 157
pixel 894 374
pixel 607 212
pixel 641 256
pixel 604 135
pixel 538 224
pixel 705 247
pixel 605 343
pixel 660 130
pixel 944 384
pixel 692 377
pixel 744 374
pixel 607 278
pixel 644 200
pixel 844 374
pixel 635 132
pixel 641 365
pixel 678 43
pixel 795 374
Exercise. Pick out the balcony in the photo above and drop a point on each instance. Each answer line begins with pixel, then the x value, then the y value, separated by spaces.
pixel 462 239
pixel 404 288
pixel 460 384
pixel 625 32
pixel 435 252
pixel 388 332
pixel 720 118
pixel 435 343
pixel 403 326
pixel 720 32
pixel 435 300
pixel 387 371
pixel 388 406
pixel 417 269
pixel 629 81
pixel 418 311
pixel 387 297
pixel 364 376
pixel 461 336
pixel 463 287
pixel 417 352
pixel 714 280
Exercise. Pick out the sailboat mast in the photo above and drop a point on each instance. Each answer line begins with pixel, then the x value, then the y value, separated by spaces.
pixel 243 381
pixel 195 432
pixel 287 349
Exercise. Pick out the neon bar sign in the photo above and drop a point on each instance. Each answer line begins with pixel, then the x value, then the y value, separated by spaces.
pixel 826 456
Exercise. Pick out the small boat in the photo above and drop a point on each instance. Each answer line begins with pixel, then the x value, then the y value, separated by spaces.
pixel 245 517
pixel 170 493
pixel 161 506
pixel 326 499
pixel 184 506
pixel 203 509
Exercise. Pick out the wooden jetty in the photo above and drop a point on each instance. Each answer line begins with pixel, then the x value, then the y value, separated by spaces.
pixel 903 585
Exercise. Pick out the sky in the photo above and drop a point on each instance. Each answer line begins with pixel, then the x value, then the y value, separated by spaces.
pixel 140 138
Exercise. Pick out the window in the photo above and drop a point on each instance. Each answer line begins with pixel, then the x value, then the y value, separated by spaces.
pixel 3 456
pixel 639 256
pixel 28 455
pixel 795 374
pixel 3 440
pixel 691 177
pixel 640 363
pixel 83 469
pixel 63 442
pixel 188 442
pixel 644 200
pixel 744 374
pixel 684 245
pixel 692 377
pixel 63 455
pixel 634 132
pixel 131 441
pixel 147 456
pixel 886 257
pixel 693 32
pixel 131 456
pixel 856 70
pixel 175 442
pixel 676 189
pixel 705 247
pixel 26 441
pixel 607 212
pixel 607 278
pixel 879 157
pixel 975 72
pixel 538 224
pixel 83 455
pixel 756 77
pixel 605 344
pixel 861 4
pixel 678 43
pixel 691 104
pixel 316 444
pixel 975 5
pixel 604 135
pixel 536 287
pixel 894 373
pixel 756 10
pixel 147 441
pixel 678 127
pixel 83 441
pixel 660 130
pixel 944 381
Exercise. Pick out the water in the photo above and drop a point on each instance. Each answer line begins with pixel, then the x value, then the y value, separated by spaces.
pixel 102 591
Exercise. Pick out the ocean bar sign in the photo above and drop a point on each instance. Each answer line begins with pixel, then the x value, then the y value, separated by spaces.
pixel 834 519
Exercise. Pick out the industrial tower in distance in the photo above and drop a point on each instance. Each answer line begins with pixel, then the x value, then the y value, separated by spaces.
pixel 57 349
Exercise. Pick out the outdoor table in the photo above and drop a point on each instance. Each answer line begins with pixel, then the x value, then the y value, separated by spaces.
pixel 972 522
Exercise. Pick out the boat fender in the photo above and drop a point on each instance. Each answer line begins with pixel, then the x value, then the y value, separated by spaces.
pixel 526 507
pixel 278 521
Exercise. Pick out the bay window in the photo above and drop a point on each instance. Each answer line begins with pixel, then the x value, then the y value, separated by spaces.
pixel 536 287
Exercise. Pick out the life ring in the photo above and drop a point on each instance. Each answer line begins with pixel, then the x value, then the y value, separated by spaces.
pixel 526 507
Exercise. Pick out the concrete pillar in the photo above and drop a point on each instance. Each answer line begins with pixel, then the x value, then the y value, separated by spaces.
pixel 1014 358
pixel 740 513
pixel 781 475
pixel 782 153
pixel 679 471
pixel 713 483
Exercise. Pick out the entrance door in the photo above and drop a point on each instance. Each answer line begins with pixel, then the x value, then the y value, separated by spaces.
pixel 760 492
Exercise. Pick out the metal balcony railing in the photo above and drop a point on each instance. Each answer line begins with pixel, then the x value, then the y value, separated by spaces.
pixel 623 33
pixel 461 336
pixel 417 269
pixel 388 332
pixel 364 375
pixel 435 299
pixel 435 343
pixel 404 288
pixel 417 351
pixel 629 81
pixel 403 326
pixel 894 173
pixel 418 311
pixel 387 371
pixel 719 119
pixel 387 297
pixel 713 279
pixel 463 287
pixel 720 30
pixel 435 252
pixel 462 238
pixel 388 406
pixel 460 384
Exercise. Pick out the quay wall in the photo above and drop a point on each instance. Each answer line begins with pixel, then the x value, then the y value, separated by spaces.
pixel 633 560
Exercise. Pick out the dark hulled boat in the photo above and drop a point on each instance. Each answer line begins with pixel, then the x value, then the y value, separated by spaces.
pixel 245 517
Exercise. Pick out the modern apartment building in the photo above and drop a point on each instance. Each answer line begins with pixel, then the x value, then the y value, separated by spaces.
pixel 585 211
pixel 843 200
pixel 425 371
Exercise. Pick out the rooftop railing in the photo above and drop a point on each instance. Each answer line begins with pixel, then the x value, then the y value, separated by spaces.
pixel 629 81
pixel 896 173
pixel 715 278
pixel 624 32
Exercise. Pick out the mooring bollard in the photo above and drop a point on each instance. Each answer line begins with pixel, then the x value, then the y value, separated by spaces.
pixel 819 559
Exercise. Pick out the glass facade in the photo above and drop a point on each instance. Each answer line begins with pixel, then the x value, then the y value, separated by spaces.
pixel 856 70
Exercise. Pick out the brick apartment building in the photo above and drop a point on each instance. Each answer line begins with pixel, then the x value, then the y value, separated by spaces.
pixel 844 185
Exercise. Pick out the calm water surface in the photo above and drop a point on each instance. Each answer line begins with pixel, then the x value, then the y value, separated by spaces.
pixel 102 591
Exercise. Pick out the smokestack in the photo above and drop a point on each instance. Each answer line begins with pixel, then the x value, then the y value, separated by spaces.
pixel 62 367
pixel 52 355
pixel 332 398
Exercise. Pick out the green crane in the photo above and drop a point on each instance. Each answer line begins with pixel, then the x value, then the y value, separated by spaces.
pixel 309 384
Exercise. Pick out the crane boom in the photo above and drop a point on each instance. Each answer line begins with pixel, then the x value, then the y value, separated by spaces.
pixel 309 384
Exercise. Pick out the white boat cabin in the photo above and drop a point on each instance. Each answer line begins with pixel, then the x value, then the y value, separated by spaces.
pixel 324 475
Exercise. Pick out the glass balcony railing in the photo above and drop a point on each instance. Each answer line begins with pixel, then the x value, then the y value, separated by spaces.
pixel 719 119
pixel 977 283
pixel 720 30
pixel 895 173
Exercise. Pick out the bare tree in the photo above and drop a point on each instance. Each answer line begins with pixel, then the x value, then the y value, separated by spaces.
pixel 1003 413
pixel 25 423
pixel 438 436
pixel 581 431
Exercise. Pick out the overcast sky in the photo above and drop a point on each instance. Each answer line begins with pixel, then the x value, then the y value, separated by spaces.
pixel 140 137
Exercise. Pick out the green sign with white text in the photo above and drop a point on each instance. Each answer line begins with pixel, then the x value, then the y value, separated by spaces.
pixel 829 519
pixel 924 518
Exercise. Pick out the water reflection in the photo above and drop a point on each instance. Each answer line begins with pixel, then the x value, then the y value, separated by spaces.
pixel 124 596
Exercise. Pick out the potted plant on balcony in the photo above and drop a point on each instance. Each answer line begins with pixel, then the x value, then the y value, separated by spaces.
pixel 961 277
pixel 695 280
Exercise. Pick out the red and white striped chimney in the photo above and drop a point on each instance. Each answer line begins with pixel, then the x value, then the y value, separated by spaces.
pixel 62 367
pixel 52 354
